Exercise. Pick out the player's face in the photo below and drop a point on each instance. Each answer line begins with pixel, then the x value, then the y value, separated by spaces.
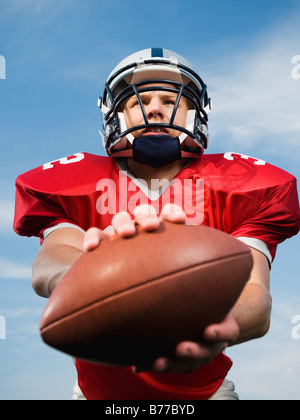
pixel 159 107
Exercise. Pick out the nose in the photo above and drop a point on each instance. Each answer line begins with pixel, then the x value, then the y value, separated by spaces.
pixel 154 109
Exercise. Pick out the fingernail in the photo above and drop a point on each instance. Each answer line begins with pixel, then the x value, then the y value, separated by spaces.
pixel 151 223
pixel 187 352
pixel 127 229
pixel 214 336
pixel 163 366
pixel 88 244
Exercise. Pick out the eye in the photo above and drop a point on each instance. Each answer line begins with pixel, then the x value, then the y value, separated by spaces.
pixel 170 102
pixel 145 101
pixel 132 102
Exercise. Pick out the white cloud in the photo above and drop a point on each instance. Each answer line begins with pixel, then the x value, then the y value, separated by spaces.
pixel 15 6
pixel 23 312
pixel 269 368
pixel 12 270
pixel 7 209
pixel 16 313
pixel 271 372
pixel 256 101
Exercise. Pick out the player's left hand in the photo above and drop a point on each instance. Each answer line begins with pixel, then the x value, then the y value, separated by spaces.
pixel 191 355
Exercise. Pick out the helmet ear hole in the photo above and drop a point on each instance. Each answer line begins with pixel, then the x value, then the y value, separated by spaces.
pixel 120 87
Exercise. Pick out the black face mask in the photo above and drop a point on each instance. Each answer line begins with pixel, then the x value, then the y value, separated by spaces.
pixel 157 150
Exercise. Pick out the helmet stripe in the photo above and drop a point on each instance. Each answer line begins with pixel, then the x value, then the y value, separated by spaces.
pixel 157 52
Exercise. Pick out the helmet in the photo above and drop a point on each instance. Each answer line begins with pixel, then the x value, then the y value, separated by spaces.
pixel 131 77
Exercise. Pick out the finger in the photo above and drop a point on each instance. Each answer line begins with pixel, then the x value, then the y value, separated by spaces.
pixel 93 238
pixel 199 351
pixel 141 369
pixel 123 224
pixel 189 357
pixel 146 217
pixel 173 213
pixel 163 365
pixel 228 331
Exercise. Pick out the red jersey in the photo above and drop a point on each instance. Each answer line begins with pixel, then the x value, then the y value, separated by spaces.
pixel 240 195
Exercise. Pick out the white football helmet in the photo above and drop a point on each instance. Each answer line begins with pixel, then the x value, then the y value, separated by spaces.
pixel 131 77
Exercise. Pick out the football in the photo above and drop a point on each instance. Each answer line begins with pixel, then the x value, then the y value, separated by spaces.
pixel 132 300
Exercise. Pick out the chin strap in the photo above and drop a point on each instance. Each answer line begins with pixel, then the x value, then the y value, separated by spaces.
pixel 156 151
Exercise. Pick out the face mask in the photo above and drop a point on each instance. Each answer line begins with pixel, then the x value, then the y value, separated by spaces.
pixel 157 150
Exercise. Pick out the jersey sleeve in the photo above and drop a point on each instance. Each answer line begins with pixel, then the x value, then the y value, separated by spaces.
pixel 36 211
pixel 62 192
pixel 275 217
pixel 249 199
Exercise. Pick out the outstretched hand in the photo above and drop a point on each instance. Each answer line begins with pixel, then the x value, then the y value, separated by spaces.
pixel 144 215
pixel 189 356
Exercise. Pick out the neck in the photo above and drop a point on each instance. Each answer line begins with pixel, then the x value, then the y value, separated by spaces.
pixel 148 173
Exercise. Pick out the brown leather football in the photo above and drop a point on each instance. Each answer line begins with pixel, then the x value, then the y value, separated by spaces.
pixel 132 300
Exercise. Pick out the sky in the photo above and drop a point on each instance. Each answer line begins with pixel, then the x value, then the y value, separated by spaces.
pixel 55 57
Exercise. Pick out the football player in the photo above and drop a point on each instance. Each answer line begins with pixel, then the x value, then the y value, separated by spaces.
pixel 155 130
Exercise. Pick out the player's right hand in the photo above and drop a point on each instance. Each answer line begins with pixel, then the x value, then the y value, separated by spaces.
pixel 144 215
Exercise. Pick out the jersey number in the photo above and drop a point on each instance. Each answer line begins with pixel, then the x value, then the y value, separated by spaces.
pixel 65 161
pixel 230 156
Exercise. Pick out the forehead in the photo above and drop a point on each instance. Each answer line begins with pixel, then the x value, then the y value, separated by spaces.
pixel 161 90
pixel 156 84
pixel 156 87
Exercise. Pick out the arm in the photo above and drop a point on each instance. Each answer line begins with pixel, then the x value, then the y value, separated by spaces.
pixel 57 254
pixel 61 249
pixel 253 309
pixel 249 319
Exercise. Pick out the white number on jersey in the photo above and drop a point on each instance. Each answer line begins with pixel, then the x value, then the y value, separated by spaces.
pixel 65 161
pixel 229 156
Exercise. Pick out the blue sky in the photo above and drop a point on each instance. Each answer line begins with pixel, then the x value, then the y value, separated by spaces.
pixel 58 54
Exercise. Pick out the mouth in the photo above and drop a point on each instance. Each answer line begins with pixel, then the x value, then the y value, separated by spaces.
pixel 155 131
